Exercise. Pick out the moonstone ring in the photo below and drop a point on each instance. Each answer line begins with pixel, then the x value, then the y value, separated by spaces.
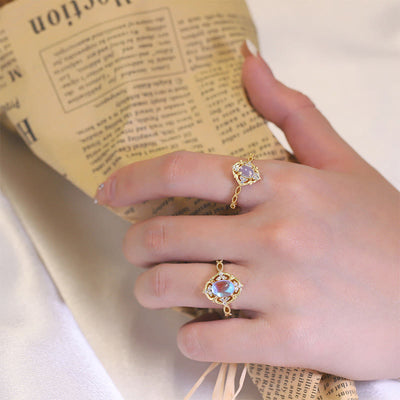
pixel 245 173
pixel 222 288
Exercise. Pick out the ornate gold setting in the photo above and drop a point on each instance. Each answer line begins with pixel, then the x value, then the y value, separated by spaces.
pixel 245 173
pixel 227 280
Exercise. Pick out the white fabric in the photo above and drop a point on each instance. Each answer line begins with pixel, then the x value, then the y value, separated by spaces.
pixel 43 354
pixel 345 55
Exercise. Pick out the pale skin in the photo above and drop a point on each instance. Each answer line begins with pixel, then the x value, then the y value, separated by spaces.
pixel 316 246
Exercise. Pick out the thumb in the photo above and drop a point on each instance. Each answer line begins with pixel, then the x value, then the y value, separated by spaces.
pixel 312 138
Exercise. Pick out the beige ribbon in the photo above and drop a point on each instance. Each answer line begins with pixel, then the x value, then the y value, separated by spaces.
pixel 225 385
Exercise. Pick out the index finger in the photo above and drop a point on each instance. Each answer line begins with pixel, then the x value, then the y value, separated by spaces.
pixel 180 174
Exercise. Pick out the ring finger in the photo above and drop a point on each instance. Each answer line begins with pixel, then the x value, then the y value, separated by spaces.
pixel 172 285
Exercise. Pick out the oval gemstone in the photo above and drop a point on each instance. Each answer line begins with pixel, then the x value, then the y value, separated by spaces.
pixel 246 171
pixel 223 288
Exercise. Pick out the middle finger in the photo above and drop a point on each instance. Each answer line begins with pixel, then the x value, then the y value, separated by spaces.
pixel 201 238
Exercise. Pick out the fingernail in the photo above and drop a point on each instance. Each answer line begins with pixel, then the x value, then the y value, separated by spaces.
pixel 105 192
pixel 249 48
pixel 188 342
pixel 99 197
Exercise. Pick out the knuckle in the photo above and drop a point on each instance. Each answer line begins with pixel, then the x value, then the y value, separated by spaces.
pixel 146 241
pixel 302 238
pixel 155 236
pixel 294 181
pixel 159 282
pixel 301 100
pixel 299 103
pixel 172 168
pixel 281 235
pixel 297 238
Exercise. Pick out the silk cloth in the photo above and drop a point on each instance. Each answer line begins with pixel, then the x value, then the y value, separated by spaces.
pixel 70 327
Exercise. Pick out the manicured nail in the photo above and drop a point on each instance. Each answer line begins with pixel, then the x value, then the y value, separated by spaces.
pixel 251 47
pixel 97 196
pixel 105 192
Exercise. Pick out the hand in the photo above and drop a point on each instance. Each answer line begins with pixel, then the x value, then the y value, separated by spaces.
pixel 316 247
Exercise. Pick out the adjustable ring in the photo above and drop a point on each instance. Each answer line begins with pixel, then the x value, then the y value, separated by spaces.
pixel 245 173
pixel 222 288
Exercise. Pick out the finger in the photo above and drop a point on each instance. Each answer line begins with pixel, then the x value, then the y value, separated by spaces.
pixel 187 238
pixel 182 285
pixel 312 138
pixel 235 340
pixel 180 173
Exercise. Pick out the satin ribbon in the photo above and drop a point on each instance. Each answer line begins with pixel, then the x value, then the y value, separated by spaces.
pixel 225 385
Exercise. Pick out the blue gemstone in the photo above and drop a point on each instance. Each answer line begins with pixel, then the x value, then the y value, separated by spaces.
pixel 223 288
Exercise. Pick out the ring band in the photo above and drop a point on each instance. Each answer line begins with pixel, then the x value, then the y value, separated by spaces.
pixel 245 173
pixel 222 288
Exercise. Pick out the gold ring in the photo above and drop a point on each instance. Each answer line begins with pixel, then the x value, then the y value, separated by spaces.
pixel 222 288
pixel 245 173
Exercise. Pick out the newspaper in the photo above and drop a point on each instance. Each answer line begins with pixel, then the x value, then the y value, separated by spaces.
pixel 93 85
pixel 280 383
